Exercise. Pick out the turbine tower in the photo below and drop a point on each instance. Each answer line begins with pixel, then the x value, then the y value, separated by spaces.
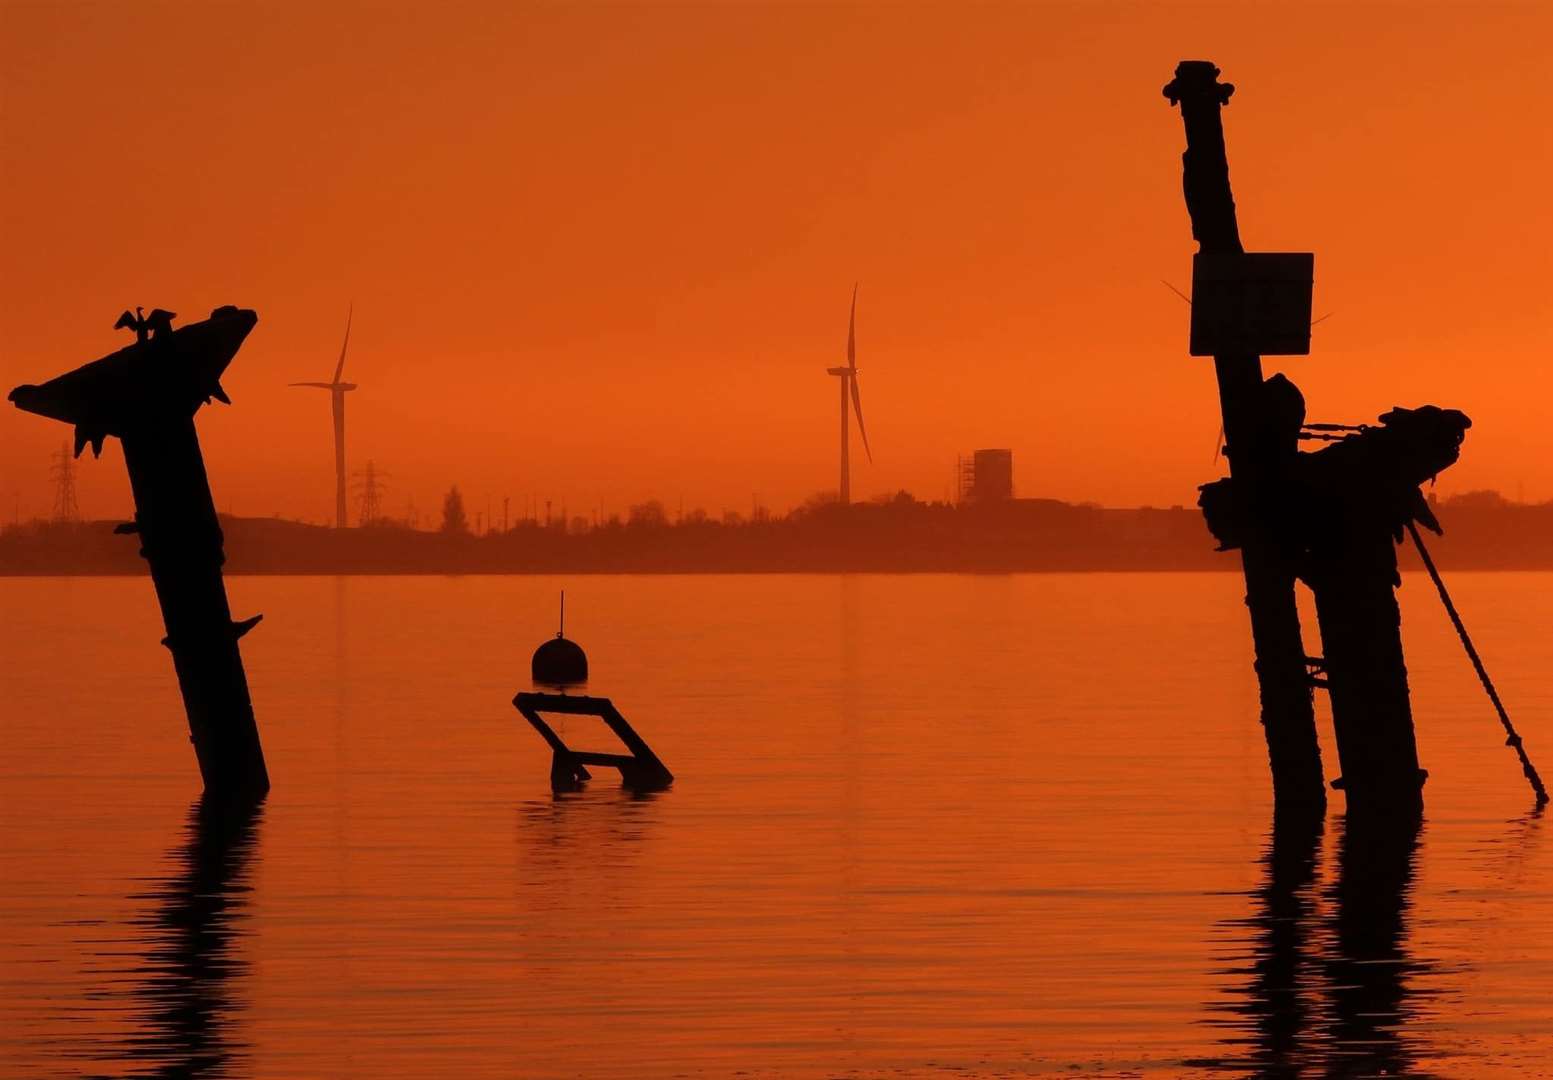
pixel 337 390
pixel 848 377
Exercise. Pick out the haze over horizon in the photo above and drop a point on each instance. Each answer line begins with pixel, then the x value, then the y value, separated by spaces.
pixel 605 253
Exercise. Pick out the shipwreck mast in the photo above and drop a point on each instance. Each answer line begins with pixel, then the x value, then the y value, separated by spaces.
pixel 1254 447
pixel 146 394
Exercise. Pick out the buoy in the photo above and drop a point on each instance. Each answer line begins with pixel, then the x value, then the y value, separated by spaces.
pixel 559 662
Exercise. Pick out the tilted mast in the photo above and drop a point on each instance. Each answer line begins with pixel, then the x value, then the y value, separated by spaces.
pixel 146 394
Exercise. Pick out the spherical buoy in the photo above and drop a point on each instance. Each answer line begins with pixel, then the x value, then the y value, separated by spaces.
pixel 560 662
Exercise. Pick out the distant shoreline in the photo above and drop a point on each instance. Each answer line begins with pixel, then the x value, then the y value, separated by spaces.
pixel 1409 566
pixel 1233 567
pixel 897 536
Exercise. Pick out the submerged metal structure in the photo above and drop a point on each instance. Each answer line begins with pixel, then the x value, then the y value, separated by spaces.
pixel 559 665
pixel 640 770
pixel 146 395
pixel 1331 519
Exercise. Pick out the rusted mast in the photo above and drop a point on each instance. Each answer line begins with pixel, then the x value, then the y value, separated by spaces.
pixel 1359 494
pixel 1256 450
pixel 147 394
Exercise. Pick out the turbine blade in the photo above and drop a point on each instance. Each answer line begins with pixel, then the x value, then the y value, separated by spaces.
pixel 852 333
pixel 857 407
pixel 340 367
pixel 320 385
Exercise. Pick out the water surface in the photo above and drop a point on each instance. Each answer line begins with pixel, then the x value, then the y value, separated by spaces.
pixel 922 825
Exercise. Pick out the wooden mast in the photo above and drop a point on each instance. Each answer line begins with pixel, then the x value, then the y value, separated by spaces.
pixel 1254 448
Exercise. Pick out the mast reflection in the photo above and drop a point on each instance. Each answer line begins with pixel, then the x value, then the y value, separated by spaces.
pixel 188 990
pixel 1368 969
pixel 1327 979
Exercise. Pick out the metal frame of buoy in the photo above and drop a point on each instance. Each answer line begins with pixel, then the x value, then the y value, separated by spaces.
pixel 559 663
pixel 640 770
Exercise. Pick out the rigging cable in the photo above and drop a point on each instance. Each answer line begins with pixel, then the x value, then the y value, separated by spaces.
pixel 1513 739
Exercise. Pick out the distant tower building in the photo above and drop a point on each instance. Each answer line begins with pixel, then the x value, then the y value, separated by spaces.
pixel 987 476
pixel 63 471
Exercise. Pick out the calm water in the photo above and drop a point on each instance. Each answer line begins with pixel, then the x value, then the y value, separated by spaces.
pixel 924 825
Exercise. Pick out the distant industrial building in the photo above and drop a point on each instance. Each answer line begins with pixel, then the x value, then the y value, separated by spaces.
pixel 986 476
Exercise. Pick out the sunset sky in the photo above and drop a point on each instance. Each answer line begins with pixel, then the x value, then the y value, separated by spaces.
pixel 600 254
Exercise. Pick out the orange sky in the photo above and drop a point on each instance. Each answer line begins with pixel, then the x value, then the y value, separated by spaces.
pixel 604 253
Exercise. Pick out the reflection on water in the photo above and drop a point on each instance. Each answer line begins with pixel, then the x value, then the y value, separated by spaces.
pixel 1369 973
pixel 599 825
pixel 1276 1003
pixel 924 826
pixel 1329 981
pixel 187 987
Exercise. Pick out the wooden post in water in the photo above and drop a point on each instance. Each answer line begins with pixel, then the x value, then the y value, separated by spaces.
pixel 1254 449
pixel 147 395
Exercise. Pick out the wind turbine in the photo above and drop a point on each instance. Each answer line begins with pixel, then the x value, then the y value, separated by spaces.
pixel 848 376
pixel 337 390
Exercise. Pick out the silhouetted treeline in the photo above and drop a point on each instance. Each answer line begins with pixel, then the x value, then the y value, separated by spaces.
pixel 1482 531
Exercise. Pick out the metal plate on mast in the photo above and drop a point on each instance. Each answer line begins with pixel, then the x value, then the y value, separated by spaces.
pixel 1251 304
